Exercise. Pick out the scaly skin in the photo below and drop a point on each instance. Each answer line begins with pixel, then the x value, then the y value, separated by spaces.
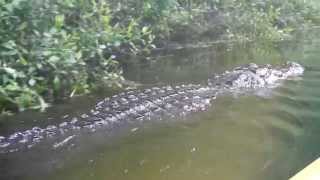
pixel 152 104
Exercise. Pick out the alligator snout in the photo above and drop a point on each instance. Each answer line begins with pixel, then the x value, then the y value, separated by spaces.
pixel 254 76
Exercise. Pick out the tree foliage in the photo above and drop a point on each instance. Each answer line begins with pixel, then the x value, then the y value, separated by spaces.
pixel 56 48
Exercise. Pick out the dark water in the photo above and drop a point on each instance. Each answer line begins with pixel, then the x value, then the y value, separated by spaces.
pixel 244 138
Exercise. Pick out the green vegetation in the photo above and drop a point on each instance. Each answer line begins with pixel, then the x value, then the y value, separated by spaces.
pixel 50 49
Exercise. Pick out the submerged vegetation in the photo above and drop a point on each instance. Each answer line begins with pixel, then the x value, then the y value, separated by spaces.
pixel 51 49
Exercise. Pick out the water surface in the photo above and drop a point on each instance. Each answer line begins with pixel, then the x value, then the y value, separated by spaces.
pixel 248 137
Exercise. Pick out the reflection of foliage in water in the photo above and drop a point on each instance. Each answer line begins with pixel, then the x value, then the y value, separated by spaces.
pixel 196 65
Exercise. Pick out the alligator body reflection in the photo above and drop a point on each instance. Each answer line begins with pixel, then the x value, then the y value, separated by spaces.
pixel 155 103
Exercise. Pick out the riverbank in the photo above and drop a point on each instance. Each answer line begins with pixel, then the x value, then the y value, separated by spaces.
pixel 55 49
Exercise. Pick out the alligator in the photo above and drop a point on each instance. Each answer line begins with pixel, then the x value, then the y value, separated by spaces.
pixel 153 104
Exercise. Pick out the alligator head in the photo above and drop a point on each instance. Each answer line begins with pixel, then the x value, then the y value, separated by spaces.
pixel 252 76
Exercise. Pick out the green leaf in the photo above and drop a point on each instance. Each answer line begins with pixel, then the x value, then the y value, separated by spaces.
pixel 59 21
pixel 56 83
pixel 54 59
pixel 32 82
pixel 46 53
pixel 10 71
pixel 9 45
pixel 22 26
pixel 117 43
pixel 145 30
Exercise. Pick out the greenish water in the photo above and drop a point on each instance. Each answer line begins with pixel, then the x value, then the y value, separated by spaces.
pixel 269 137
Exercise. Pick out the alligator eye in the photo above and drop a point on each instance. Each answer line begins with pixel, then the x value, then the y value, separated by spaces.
pixel 2 139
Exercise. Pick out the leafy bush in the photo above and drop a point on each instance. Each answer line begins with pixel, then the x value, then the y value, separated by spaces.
pixel 50 49
pixel 272 19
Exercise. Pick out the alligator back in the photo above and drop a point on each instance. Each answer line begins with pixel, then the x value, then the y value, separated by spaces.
pixel 151 104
